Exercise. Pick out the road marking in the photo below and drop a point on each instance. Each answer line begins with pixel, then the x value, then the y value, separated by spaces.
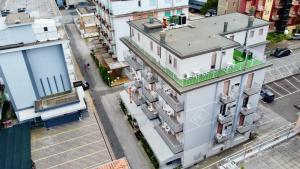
pixel 296 79
pixel 286 95
pixel 274 90
pixel 292 84
pixel 62 132
pixel 270 120
pixel 74 138
pixel 281 87
pixel 80 158
pixel 43 158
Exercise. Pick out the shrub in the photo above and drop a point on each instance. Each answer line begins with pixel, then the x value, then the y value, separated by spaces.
pixel 149 152
pixel 210 4
pixel 275 37
pixel 105 76
pixel 123 108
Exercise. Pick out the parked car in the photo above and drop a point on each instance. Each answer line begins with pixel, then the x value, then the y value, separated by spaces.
pixel 267 95
pixel 296 36
pixel 85 85
pixel 211 12
pixel 281 52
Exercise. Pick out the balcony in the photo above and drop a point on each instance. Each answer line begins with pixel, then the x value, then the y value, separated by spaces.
pixel 295 2
pixel 151 95
pixel 260 8
pixel 254 89
pixel 169 119
pixel 138 99
pixel 248 110
pixel 221 138
pixel 278 5
pixel 149 112
pixel 171 141
pixel 243 129
pixel 224 119
pixel 225 99
pixel 131 75
pixel 172 102
pixel 138 83
pixel 133 63
pixel 150 77
pixel 292 14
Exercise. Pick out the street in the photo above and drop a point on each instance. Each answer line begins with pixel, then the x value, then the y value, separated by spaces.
pixel 122 139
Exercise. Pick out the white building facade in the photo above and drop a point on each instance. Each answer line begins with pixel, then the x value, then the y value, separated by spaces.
pixel 114 14
pixel 36 69
pixel 195 88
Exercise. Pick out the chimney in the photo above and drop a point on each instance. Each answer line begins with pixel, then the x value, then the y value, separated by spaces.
pixel 250 21
pixel 162 36
pixel 225 26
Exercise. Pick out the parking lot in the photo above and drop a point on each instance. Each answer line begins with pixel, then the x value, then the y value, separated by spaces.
pixel 286 93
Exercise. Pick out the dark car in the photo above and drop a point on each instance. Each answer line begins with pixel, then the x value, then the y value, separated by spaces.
pixel 281 52
pixel 85 85
pixel 296 36
pixel 267 95
pixel 211 12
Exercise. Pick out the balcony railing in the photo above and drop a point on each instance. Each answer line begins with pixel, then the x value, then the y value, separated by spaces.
pixel 172 102
pixel 170 120
pixel 225 99
pixel 260 8
pixel 151 95
pixel 138 99
pixel 133 63
pixel 295 2
pixel 150 113
pixel 150 77
pixel 225 119
pixel 254 89
pixel 171 141
pixel 292 14
pixel 243 129
pixel 221 138
pixel 183 82
pixel 131 75
pixel 278 5
pixel 275 18
pixel 248 110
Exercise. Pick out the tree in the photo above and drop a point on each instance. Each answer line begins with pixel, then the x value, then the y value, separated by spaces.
pixel 211 4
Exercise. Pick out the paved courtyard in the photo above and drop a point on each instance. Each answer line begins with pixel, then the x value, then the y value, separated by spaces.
pixel 283 156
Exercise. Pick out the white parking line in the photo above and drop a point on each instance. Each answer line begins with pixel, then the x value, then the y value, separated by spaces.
pixel 292 84
pixel 286 95
pixel 274 90
pixel 281 87
pixel 62 133
pixel 74 138
pixel 296 79
pixel 43 158
pixel 80 158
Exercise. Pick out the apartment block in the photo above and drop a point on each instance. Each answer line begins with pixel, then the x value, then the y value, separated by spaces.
pixel 36 70
pixel 195 87
pixel 283 14
pixel 113 15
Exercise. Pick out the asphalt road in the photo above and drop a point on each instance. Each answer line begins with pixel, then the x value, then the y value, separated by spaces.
pixel 287 94
pixel 121 137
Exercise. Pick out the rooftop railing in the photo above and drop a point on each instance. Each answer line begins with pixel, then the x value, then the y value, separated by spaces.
pixel 183 82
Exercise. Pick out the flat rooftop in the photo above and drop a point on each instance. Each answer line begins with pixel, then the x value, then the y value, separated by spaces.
pixel 200 36
pixel 18 18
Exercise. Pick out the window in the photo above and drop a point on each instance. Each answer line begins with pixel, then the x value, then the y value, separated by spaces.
pixel 168 14
pixel 158 50
pixel 175 63
pixel 151 45
pixel 139 37
pixel 233 4
pixel 45 29
pixel 139 3
pixel 223 109
pixel 261 31
pixel 170 59
pixel 179 11
pixel 132 32
pixel 251 34
pixel 213 60
pixel 245 101
pixel 232 37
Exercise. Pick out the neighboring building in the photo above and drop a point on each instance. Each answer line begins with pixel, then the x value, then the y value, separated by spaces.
pixel 283 14
pixel 196 5
pixel 86 21
pixel 113 16
pixel 37 70
pixel 196 87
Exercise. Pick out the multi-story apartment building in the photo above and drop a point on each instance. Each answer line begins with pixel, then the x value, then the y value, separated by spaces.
pixel 113 15
pixel 283 14
pixel 196 86
pixel 37 70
